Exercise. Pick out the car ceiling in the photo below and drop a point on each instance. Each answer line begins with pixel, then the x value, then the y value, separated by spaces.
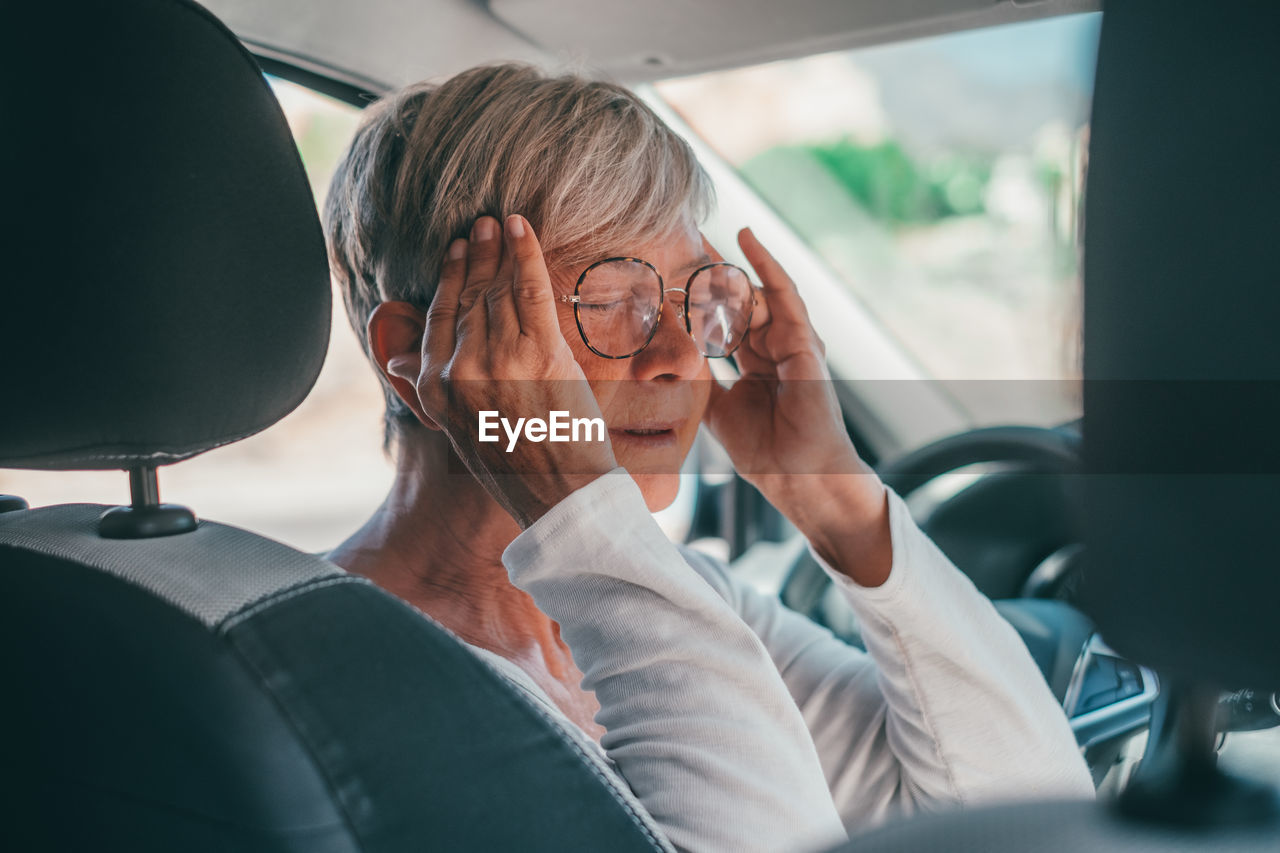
pixel 375 45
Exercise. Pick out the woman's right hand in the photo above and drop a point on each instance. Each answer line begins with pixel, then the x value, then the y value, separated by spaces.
pixel 492 342
pixel 782 426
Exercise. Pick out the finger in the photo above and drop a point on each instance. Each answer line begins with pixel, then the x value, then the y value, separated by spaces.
pixel 484 253
pixel 473 331
pixel 752 356
pixel 781 295
pixel 531 286
pixel 440 334
pixel 500 297
pixel 760 315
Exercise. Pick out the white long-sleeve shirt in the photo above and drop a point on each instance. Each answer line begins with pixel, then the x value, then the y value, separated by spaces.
pixel 740 725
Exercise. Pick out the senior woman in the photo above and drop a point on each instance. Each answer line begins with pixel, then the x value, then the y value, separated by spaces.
pixel 516 243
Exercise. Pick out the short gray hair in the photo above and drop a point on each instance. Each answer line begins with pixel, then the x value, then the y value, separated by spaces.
pixel 588 163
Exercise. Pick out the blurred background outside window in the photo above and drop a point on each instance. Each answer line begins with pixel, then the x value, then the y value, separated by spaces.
pixel 941 180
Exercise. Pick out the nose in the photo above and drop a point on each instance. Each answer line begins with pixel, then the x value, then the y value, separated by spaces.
pixel 672 353
pixel 676 302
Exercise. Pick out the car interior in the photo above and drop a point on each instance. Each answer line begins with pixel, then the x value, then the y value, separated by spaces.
pixel 180 683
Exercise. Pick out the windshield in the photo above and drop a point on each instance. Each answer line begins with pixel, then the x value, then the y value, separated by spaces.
pixel 941 180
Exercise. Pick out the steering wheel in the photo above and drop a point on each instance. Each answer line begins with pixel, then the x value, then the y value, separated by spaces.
pixel 1044 450
pixel 1016 537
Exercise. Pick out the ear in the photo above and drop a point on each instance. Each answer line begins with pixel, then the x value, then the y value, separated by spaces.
pixel 395 339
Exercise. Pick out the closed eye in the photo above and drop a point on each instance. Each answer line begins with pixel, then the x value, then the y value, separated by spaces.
pixel 601 306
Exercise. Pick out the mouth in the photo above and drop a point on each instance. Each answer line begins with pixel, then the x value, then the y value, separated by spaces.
pixel 652 435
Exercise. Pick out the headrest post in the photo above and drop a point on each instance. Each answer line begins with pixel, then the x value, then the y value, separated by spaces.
pixel 13 503
pixel 144 486
pixel 1179 781
pixel 146 518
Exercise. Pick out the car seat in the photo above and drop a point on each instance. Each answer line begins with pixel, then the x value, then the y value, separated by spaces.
pixel 172 683
pixel 1181 398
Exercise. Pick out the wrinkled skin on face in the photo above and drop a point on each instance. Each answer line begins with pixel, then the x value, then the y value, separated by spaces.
pixel 654 401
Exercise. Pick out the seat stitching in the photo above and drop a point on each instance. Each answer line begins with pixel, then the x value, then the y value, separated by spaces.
pixel 253 608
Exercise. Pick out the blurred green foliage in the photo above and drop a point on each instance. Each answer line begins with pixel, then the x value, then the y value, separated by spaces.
pixel 894 187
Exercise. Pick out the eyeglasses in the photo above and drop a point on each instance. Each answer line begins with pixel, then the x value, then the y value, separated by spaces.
pixel 617 304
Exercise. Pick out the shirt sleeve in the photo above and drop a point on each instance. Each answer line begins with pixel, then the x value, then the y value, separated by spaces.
pixel 699 721
pixel 946 707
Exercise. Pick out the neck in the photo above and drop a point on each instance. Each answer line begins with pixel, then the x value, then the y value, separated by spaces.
pixel 437 542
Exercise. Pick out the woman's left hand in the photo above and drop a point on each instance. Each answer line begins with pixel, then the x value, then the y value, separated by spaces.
pixel 782 426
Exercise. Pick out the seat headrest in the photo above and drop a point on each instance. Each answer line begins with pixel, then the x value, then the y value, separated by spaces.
pixel 1182 340
pixel 165 289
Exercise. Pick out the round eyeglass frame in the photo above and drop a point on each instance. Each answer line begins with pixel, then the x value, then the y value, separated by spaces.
pixel 576 301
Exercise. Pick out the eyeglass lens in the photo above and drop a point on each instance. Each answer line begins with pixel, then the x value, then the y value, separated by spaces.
pixel 719 309
pixel 618 307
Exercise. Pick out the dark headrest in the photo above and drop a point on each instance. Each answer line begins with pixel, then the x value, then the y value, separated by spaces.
pixel 1182 340
pixel 164 288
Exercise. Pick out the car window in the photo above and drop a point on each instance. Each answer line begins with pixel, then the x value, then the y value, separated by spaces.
pixel 941 180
